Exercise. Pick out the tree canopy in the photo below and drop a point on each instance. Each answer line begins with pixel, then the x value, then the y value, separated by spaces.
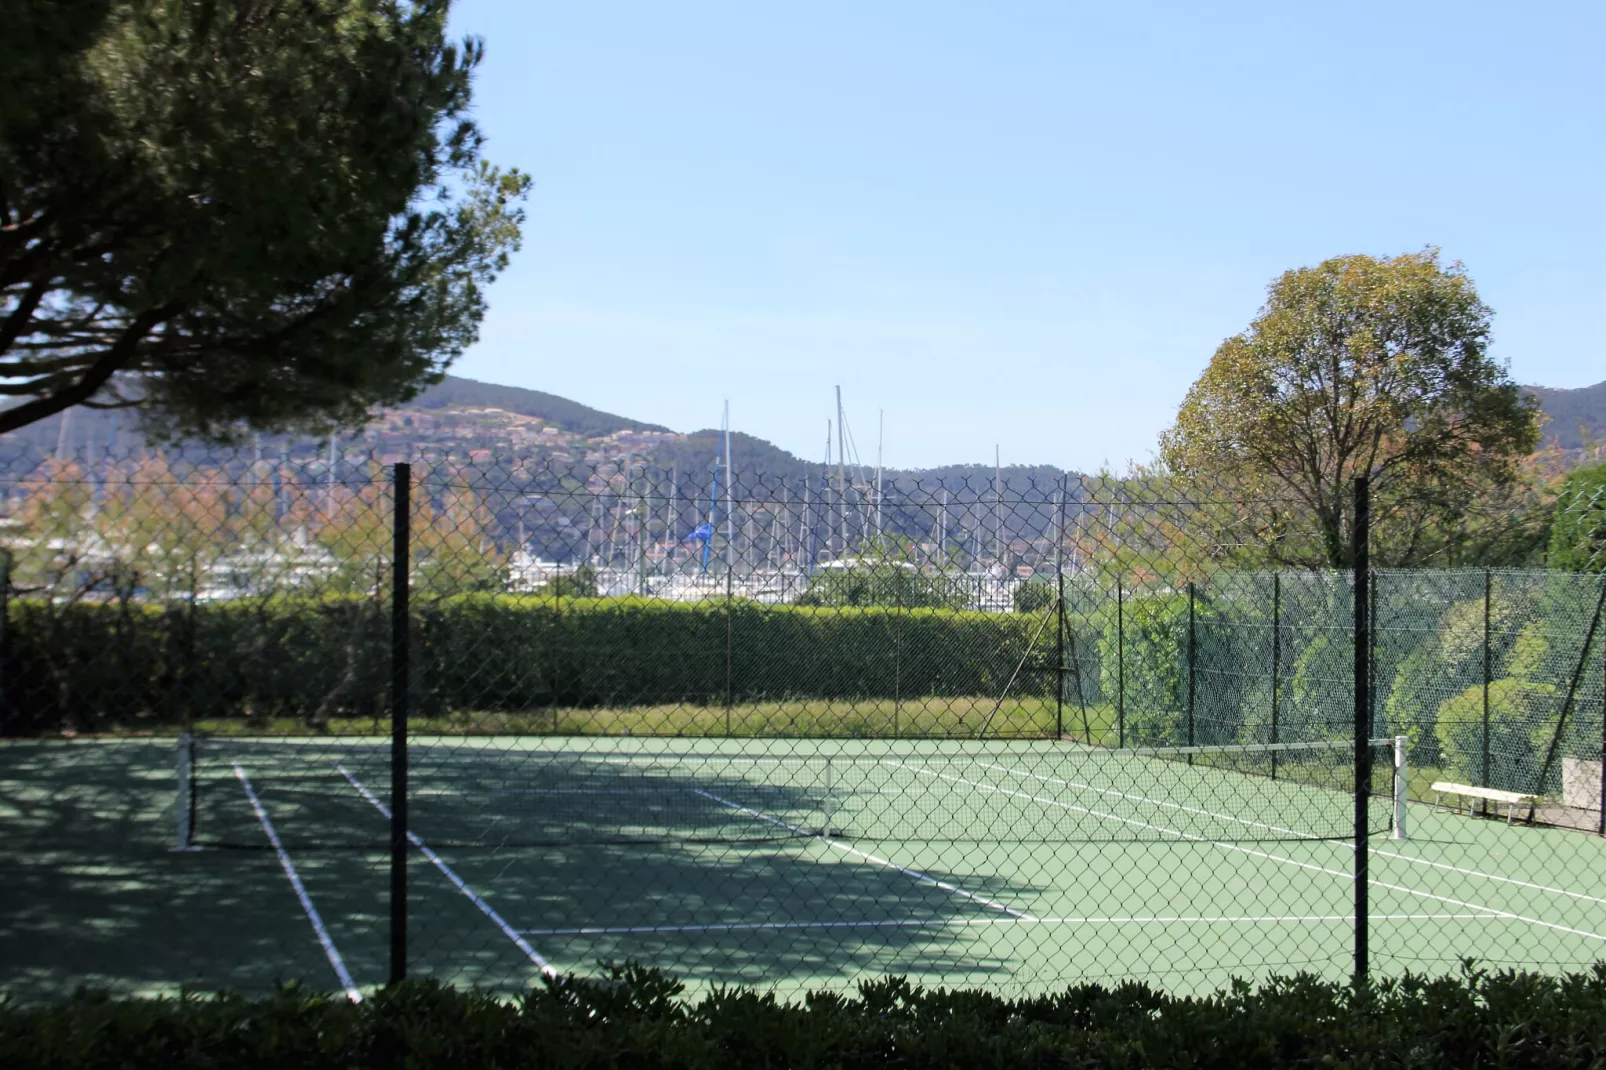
pixel 240 212
pixel 1578 532
pixel 1362 365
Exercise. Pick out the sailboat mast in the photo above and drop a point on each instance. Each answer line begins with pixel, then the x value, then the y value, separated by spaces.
pixel 841 471
pixel 669 514
pixel 880 437
pixel 998 507
pixel 730 511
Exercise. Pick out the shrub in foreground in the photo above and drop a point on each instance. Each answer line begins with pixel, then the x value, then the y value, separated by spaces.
pixel 638 1018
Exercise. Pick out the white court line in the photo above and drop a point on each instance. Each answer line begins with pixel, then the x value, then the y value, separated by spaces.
pixel 1128 796
pixel 1490 876
pixel 462 885
pixel 329 949
pixel 966 923
pixel 1377 852
pixel 1492 911
pixel 914 874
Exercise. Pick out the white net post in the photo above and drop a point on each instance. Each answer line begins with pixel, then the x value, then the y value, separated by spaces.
pixel 181 806
pixel 830 784
pixel 1401 786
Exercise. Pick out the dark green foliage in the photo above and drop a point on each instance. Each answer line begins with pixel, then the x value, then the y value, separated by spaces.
pixel 581 583
pixel 885 583
pixel 1153 653
pixel 92 666
pixel 230 212
pixel 1578 532
pixel 1034 596
pixel 636 1017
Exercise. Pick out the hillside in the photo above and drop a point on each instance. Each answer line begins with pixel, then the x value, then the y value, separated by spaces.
pixel 1574 414
pixel 459 415
pixel 457 393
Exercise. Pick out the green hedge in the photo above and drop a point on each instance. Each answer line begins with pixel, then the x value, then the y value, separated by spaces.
pixel 638 1018
pixel 94 665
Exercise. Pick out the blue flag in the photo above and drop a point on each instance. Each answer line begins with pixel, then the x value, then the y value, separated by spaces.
pixel 702 533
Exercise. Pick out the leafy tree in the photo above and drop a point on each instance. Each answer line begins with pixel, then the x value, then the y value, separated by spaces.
pixel 581 583
pixel 240 212
pixel 1034 596
pixel 1521 721
pixel 1578 532
pixel 1359 365
pixel 885 574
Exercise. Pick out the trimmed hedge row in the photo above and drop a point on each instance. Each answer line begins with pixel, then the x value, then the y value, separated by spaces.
pixel 637 1018
pixel 93 665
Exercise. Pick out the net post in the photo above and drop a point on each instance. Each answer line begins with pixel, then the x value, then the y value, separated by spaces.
pixel 400 674
pixel 1402 779
pixel 1360 562
pixel 830 788
pixel 183 813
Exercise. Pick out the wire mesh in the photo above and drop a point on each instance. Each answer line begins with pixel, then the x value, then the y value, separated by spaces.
pixel 789 731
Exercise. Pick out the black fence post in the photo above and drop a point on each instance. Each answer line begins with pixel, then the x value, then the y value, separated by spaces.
pixel 1600 829
pixel 1483 767
pixel 1191 666
pixel 1059 657
pixel 1572 693
pixel 1276 657
pixel 5 634
pixel 400 679
pixel 730 642
pixel 1120 664
pixel 1361 562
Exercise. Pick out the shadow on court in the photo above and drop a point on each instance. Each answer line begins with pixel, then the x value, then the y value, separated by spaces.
pixel 95 896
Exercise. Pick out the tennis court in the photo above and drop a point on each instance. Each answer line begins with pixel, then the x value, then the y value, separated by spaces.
pixel 792 864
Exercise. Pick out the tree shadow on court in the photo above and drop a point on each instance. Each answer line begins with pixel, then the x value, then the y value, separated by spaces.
pixel 730 887
pixel 95 897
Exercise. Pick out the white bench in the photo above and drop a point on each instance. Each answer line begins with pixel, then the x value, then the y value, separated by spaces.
pixel 1512 799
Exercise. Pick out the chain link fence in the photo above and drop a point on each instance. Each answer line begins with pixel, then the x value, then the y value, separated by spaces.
pixel 273 719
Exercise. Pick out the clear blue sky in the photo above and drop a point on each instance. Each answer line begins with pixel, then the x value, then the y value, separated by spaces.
pixel 1027 223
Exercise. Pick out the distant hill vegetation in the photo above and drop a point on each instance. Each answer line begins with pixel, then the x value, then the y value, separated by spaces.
pixel 1574 414
pixel 454 392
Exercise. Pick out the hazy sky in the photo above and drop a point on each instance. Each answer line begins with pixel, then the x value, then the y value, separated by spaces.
pixel 1024 223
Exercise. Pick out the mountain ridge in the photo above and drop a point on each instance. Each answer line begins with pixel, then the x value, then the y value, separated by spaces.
pixel 461 414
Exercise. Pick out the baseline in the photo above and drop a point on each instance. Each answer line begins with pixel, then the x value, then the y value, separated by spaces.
pixel 968 923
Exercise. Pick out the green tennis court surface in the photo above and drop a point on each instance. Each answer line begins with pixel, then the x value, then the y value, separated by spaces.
pixel 793 863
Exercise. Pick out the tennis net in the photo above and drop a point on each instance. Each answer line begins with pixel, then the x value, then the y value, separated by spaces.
pixel 319 793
